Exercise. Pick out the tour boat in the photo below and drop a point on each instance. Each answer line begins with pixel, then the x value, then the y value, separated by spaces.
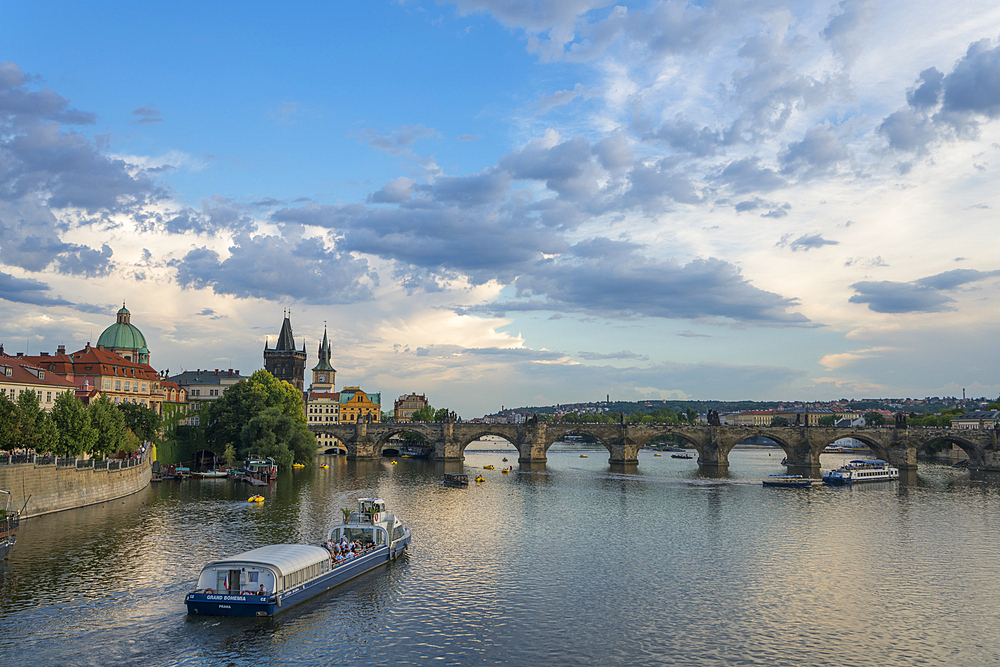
pixel 260 468
pixel 455 479
pixel 795 481
pixel 9 523
pixel 685 455
pixel 862 470
pixel 264 581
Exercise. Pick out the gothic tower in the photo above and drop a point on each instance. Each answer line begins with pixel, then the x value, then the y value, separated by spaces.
pixel 283 361
pixel 323 373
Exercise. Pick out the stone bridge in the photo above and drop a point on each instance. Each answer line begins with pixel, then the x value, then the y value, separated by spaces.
pixel 802 445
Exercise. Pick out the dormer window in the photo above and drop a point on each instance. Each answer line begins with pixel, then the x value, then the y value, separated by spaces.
pixel 41 375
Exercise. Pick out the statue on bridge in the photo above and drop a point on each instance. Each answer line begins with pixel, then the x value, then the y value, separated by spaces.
pixel 900 420
pixel 713 418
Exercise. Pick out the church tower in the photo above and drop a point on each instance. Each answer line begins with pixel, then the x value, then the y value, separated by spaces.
pixel 323 372
pixel 283 361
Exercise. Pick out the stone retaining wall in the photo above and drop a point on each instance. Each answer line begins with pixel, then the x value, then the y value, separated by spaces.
pixel 48 488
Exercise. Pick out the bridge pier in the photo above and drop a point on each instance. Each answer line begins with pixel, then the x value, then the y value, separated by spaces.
pixel 713 452
pixel 533 443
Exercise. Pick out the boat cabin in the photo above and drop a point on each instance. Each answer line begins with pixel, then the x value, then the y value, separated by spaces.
pixel 271 569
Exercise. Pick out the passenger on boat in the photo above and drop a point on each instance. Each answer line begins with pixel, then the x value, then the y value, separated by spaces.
pixel 262 591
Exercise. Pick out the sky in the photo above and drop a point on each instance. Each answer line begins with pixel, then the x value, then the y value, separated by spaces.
pixel 510 203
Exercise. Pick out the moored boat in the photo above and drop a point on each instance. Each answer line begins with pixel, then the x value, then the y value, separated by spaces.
pixel 10 521
pixel 795 481
pixel 210 474
pixel 455 479
pixel 264 581
pixel 685 455
pixel 862 470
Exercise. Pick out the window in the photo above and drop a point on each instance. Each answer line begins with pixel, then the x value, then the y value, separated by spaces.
pixel 128 386
pixel 118 385
pixel 48 397
pixel 107 384
pixel 144 387
pixel 41 375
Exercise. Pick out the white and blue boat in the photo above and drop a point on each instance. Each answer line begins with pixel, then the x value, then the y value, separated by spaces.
pixel 264 581
pixel 862 470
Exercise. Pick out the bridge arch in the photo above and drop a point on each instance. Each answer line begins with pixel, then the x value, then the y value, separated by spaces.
pixel 974 452
pixel 466 440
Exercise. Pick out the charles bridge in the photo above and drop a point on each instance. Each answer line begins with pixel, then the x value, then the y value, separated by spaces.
pixel 802 444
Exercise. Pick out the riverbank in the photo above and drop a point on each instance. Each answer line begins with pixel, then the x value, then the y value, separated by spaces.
pixel 43 485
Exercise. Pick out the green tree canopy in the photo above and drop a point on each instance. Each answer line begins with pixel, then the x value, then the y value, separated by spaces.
pixel 779 421
pixel 874 419
pixel 109 424
pixel 274 433
pixel 828 420
pixel 424 414
pixel 142 421
pixel 9 424
pixel 233 411
pixel 76 435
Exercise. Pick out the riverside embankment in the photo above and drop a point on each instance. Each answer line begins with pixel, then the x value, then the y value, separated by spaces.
pixel 51 484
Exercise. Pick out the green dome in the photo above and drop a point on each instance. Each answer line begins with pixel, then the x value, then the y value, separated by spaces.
pixel 123 335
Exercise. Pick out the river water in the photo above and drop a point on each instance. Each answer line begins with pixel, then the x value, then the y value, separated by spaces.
pixel 574 563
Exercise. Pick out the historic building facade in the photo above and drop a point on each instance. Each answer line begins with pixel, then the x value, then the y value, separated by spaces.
pixel 405 406
pixel 18 375
pixel 283 361
pixel 358 405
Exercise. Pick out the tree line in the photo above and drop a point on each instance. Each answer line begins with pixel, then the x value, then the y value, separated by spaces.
pixel 101 429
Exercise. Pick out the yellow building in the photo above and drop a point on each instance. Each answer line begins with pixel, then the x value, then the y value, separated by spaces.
pixel 355 404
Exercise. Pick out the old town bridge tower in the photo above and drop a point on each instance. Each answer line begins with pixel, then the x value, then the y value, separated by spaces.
pixel 283 361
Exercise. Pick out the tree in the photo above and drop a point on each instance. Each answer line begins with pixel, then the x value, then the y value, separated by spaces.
pixel 29 421
pixel 441 414
pixel 9 421
pixel 424 414
pixel 142 421
pixel 274 433
pixel 779 421
pixel 692 414
pixel 828 420
pixel 109 424
pixel 249 398
pixel 874 419
pixel 76 435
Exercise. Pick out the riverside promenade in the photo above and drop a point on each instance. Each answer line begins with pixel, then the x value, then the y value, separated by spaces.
pixel 50 484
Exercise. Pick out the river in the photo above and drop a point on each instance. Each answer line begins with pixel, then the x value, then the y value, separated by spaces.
pixel 574 563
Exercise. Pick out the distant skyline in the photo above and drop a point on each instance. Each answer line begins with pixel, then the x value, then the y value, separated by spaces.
pixel 495 202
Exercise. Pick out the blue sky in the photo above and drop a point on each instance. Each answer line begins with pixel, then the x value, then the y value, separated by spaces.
pixel 497 202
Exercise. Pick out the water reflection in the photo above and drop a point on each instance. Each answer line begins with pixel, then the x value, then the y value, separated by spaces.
pixel 537 566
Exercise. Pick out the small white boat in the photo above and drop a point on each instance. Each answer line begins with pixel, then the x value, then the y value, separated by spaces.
pixel 863 470
pixel 794 481
pixel 210 474
pixel 264 581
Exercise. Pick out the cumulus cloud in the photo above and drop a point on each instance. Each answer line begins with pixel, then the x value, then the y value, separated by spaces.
pixel 848 26
pixel 948 106
pixel 925 295
pixel 268 267
pixel 613 279
pixel 26 290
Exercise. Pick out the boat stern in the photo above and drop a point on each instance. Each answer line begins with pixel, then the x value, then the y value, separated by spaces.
pixel 214 604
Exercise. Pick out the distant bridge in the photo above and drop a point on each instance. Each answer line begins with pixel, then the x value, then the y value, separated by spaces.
pixel 802 444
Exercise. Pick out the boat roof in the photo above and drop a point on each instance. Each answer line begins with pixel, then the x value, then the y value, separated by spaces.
pixel 285 558
pixel 873 461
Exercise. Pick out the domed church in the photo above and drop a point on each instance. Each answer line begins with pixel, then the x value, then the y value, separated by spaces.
pixel 124 338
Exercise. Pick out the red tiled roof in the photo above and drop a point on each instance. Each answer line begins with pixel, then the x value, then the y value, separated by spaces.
pixel 19 373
